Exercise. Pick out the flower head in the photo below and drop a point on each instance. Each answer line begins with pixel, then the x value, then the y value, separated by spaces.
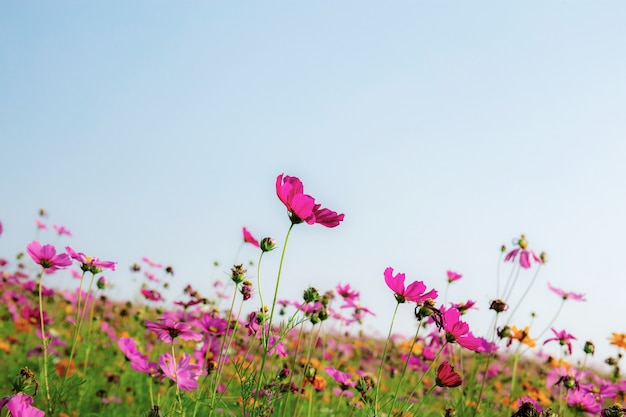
pixel 184 373
pixel 458 331
pixel 525 255
pixel 302 207
pixel 563 338
pixel 20 405
pixel 169 329
pixel 618 339
pixel 566 295
pixel 414 292
pixel 248 238
pixel 47 257
pixel 92 264
pixel 61 230
pixel 447 377
pixel 453 276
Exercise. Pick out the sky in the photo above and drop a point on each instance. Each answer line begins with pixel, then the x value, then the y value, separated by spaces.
pixel 442 130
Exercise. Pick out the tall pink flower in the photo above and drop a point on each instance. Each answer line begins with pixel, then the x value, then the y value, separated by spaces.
pixel 525 255
pixel 47 257
pixel 563 338
pixel 40 225
pixel 61 230
pixel 169 329
pixel 248 238
pixel 566 294
pixel 458 331
pixel 453 276
pixel 414 292
pixel 302 207
pixel 89 263
pixel 447 376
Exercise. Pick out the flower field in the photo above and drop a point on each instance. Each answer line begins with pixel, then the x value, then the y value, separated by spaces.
pixel 79 352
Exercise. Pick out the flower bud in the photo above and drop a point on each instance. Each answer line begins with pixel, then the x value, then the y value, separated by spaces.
pixel 102 283
pixel 589 347
pixel 310 295
pixel 615 410
pixel 237 273
pixel 155 412
pixel 267 244
pixel 25 380
pixel 498 306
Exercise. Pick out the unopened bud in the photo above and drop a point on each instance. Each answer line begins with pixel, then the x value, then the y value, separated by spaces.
pixel 498 306
pixel 237 273
pixel 310 295
pixel 267 244
pixel 589 347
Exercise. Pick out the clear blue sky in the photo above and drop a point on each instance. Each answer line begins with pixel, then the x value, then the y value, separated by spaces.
pixel 441 129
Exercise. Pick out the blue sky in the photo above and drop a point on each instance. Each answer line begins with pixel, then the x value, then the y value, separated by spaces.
pixel 442 130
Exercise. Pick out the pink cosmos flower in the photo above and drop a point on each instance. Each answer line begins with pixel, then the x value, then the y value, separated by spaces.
pixel 302 207
pixel 458 330
pixel 563 338
pixel 151 263
pixel 40 225
pixel 248 238
pixel 414 292
pixel 345 382
pixel 345 291
pixel 447 377
pixel 152 295
pixel 453 276
pixel 525 255
pixel 566 295
pixel 20 405
pixel 47 257
pixel 61 230
pixel 1 229
pixel 138 361
pixel 184 373
pixel 583 401
pixel 168 330
pixel 89 263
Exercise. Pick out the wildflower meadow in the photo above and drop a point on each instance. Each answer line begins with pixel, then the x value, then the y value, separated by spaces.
pixel 229 349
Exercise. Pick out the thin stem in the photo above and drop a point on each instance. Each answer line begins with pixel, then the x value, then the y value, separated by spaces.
pixel 406 365
pixel 553 320
pixel 519 303
pixel 44 342
pixel 489 356
pixel 382 359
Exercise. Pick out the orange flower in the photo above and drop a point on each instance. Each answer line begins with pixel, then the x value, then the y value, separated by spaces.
pixel 5 346
pixel 62 366
pixel 619 340
pixel 523 336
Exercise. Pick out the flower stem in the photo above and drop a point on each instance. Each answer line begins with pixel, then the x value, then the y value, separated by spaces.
pixel 383 357
pixel 406 364
pixel 44 342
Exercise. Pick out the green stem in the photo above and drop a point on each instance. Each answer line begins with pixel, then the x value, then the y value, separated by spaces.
pixel 519 303
pixel 406 364
pixel 44 342
pixel 382 359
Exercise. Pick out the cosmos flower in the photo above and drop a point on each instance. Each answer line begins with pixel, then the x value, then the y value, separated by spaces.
pixel 453 276
pixel 20 405
pixel 583 401
pixel 344 380
pixel 525 255
pixel 447 377
pixel 151 263
pixel 184 373
pixel 302 207
pixel 40 225
pixel 47 257
pixel 61 230
pixel 152 295
pixel 618 339
pixel 458 331
pixel 563 338
pixel 138 361
pixel 89 263
pixel 248 238
pixel 414 292
pixel 169 329
pixel 566 295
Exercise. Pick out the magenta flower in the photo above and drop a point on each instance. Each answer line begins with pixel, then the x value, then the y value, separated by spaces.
pixel 563 338
pixel 414 292
pixel 447 377
pixel 1 229
pixel 89 263
pixel 525 255
pixel 302 207
pixel 20 405
pixel 61 230
pixel 458 330
pixel 344 380
pixel 583 401
pixel 184 373
pixel 566 295
pixel 453 276
pixel 169 329
pixel 151 263
pixel 345 291
pixel 47 257
pixel 248 238
pixel 40 225
pixel 152 295
pixel 138 361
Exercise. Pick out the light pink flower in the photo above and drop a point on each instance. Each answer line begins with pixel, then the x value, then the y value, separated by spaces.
pixel 47 257
pixel 89 263
pixel 248 238
pixel 566 295
pixel 138 361
pixel 184 373
pixel 525 255
pixel 152 295
pixel 302 207
pixel 414 292
pixel 169 329
pixel 61 230
pixel 40 225
pixel 151 263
